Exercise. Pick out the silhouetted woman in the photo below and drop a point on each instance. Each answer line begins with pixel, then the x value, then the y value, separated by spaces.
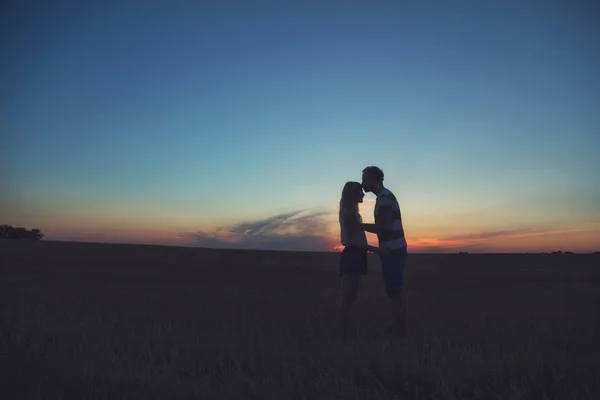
pixel 353 260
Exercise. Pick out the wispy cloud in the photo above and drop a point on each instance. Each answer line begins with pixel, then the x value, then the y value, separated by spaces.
pixel 488 240
pixel 489 235
pixel 518 233
pixel 295 230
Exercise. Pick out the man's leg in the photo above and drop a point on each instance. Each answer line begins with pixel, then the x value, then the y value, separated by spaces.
pixel 398 312
pixel 393 274
pixel 349 289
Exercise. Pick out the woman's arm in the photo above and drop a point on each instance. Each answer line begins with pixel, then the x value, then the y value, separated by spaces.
pixel 354 228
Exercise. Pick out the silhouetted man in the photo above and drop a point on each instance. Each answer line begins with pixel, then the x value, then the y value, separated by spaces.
pixel 390 232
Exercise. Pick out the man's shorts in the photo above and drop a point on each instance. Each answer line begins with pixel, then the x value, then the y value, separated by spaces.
pixel 353 261
pixel 392 268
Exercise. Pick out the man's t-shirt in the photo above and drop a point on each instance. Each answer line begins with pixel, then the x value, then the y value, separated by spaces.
pixel 387 203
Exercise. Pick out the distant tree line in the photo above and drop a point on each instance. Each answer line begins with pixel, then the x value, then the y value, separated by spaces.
pixel 9 232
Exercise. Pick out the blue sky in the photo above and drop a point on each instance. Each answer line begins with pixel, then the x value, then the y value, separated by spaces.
pixel 155 123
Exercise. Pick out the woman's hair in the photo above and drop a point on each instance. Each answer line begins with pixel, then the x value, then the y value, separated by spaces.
pixel 350 196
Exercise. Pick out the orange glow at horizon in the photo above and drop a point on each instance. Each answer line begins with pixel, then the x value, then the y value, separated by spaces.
pixel 577 238
pixel 421 243
pixel 577 241
pixel 582 239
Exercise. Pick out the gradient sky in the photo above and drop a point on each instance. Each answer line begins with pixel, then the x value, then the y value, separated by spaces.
pixel 233 125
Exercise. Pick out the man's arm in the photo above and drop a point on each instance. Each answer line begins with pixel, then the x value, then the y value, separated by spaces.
pixel 370 228
pixel 386 217
pixel 354 226
pixel 385 224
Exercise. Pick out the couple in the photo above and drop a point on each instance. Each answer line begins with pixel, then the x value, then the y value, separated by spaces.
pixel 392 245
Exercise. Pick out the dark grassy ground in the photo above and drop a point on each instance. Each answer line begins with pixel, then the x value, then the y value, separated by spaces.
pixel 89 321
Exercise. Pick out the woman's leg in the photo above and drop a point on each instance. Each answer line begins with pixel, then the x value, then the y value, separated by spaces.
pixel 349 290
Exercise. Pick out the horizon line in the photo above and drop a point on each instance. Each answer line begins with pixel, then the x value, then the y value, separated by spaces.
pixel 310 251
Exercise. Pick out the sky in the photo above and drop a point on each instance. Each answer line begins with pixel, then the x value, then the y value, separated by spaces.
pixel 236 124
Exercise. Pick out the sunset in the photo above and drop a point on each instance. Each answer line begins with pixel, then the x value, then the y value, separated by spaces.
pixel 176 126
pixel 368 200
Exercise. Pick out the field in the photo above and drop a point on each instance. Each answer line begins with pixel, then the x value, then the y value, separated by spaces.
pixel 94 321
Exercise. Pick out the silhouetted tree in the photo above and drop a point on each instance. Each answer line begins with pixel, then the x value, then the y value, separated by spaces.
pixel 36 234
pixel 10 232
pixel 20 233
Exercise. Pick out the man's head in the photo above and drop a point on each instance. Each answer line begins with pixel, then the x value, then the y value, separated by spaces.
pixel 372 179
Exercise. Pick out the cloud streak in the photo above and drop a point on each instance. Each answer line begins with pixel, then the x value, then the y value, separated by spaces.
pixel 517 233
pixel 300 230
pixel 488 240
pixel 493 234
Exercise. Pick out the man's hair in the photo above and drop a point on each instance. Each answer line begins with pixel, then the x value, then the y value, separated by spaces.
pixel 374 172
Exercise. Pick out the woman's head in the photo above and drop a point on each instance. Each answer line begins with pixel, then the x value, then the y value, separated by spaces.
pixel 352 194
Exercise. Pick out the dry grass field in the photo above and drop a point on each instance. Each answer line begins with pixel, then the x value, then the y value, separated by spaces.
pixel 94 321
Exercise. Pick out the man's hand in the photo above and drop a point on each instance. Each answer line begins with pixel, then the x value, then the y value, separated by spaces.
pixel 382 251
